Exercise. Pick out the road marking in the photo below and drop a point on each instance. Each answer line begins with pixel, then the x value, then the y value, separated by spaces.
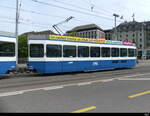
pixel 134 75
pixel 139 94
pixel 67 85
pixel 53 88
pixel 135 79
pixel 84 83
pixel 29 90
pixel 108 80
pixel 84 110
pixel 11 93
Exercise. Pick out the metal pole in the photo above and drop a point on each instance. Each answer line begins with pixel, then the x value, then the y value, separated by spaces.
pixel 115 30
pixel 115 16
pixel 17 21
pixel 143 53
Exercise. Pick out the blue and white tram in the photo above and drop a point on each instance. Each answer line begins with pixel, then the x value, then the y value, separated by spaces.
pixel 7 53
pixel 56 56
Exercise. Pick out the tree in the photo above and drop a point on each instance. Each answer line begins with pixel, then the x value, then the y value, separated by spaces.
pixel 23 47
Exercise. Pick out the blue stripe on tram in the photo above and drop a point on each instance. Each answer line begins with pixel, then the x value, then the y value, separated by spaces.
pixel 6 66
pixel 75 66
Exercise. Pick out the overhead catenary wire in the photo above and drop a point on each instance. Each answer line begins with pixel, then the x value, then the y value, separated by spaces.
pixel 106 11
pixel 24 23
pixel 101 9
pixel 73 10
pixel 44 14
pixel 48 15
pixel 76 6
pixel 27 21
pixel 31 23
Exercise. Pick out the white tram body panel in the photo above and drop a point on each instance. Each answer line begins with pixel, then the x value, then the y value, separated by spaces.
pixel 47 63
pixel 7 53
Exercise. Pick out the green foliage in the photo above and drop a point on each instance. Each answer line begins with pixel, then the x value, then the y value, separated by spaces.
pixel 23 47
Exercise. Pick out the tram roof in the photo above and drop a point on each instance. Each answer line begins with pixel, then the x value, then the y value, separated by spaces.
pixel 80 39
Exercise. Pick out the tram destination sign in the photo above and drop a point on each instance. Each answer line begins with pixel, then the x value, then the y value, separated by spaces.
pixel 90 40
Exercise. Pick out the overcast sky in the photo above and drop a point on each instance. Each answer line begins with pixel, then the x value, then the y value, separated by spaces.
pixel 35 16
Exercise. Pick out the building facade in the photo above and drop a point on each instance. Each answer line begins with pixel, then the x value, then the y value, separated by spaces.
pixel 108 34
pixel 136 32
pixel 87 31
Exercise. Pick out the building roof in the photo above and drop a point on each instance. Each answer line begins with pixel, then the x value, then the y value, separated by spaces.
pixel 7 33
pixel 128 23
pixel 85 27
pixel 129 26
pixel 108 30
pixel 48 32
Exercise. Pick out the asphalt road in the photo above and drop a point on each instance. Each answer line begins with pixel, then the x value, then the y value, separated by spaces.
pixel 126 90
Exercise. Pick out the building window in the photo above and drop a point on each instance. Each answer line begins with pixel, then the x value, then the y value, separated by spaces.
pixel 140 46
pixel 92 36
pixel 140 29
pixel 140 34
pixel 83 34
pixel 89 34
pixel 133 35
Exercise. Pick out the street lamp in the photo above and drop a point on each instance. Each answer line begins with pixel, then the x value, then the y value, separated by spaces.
pixel 16 30
pixel 143 42
pixel 115 16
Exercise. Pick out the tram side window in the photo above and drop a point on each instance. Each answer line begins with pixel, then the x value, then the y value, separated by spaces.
pixel 83 51
pixel 69 51
pixel 131 52
pixel 123 52
pixel 95 51
pixel 115 52
pixel 7 49
pixel 54 51
pixel 105 52
pixel 36 50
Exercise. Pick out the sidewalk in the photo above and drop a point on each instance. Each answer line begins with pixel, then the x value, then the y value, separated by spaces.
pixel 144 61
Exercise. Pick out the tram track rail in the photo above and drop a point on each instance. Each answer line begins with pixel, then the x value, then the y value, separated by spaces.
pixel 54 79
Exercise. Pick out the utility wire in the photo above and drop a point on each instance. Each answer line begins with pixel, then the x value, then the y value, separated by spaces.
pixel 29 22
pixel 24 23
pixel 34 13
pixel 48 15
pixel 73 10
pixel 106 11
pixel 76 6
